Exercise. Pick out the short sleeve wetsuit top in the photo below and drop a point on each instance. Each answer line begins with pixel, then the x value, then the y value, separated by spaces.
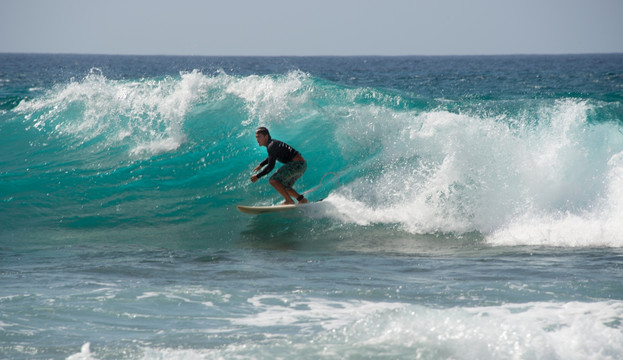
pixel 277 150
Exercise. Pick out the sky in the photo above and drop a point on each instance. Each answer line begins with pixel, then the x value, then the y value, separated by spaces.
pixel 312 27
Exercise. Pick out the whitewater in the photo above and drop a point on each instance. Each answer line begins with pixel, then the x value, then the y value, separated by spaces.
pixel 472 207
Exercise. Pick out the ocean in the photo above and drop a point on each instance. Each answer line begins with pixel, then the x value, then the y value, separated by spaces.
pixel 472 208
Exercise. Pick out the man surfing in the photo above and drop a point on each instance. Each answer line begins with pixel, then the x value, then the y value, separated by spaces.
pixel 293 168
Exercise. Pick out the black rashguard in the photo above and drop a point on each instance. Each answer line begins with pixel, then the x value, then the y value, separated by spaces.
pixel 277 150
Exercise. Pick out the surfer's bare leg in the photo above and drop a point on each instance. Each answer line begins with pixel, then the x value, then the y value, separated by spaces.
pixel 297 196
pixel 282 190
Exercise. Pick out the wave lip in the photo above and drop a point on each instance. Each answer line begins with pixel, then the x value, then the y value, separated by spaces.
pixel 148 115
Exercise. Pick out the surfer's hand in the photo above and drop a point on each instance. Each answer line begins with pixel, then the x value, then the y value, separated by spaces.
pixel 254 178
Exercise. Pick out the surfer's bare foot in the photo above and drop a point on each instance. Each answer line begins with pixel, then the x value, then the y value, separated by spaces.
pixel 287 203
pixel 303 201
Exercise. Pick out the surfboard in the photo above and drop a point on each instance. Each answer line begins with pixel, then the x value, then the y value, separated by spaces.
pixel 256 210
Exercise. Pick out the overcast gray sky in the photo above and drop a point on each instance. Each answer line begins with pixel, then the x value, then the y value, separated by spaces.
pixel 312 27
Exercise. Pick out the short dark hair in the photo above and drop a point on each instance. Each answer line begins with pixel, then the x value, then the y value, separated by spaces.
pixel 262 130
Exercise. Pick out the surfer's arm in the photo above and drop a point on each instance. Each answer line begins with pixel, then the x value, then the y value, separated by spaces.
pixel 268 164
pixel 261 165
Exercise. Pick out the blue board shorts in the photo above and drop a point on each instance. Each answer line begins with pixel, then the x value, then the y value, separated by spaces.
pixel 289 173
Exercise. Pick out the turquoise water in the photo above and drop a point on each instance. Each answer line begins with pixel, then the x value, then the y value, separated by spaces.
pixel 472 208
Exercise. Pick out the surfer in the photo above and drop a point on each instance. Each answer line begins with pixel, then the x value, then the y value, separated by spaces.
pixel 293 168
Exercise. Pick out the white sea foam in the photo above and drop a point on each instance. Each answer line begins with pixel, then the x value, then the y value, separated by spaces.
pixel 338 329
pixel 84 354
pixel 546 178
pixel 599 225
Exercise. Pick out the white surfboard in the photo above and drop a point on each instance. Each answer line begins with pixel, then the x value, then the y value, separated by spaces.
pixel 256 210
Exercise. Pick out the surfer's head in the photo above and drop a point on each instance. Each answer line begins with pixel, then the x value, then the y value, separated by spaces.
pixel 262 136
pixel 262 130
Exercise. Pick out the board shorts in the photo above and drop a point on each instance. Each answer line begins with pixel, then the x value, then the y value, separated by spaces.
pixel 289 173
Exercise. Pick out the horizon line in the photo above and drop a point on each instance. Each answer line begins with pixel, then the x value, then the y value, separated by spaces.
pixel 310 56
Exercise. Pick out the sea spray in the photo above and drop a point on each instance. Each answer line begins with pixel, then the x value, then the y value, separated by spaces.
pixel 150 113
pixel 439 171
